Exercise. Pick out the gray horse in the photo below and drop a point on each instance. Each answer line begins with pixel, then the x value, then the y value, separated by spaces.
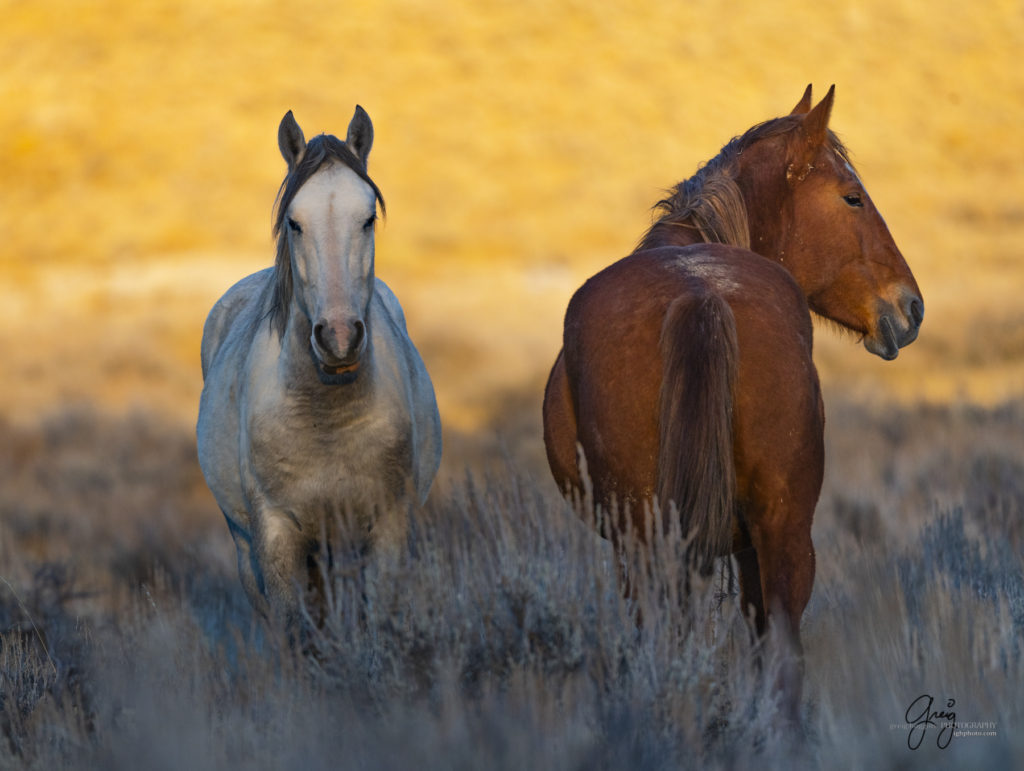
pixel 316 407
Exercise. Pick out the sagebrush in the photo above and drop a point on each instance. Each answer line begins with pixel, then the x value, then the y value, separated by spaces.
pixel 500 639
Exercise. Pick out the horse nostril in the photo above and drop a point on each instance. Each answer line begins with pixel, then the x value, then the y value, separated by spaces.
pixel 360 331
pixel 917 312
pixel 318 334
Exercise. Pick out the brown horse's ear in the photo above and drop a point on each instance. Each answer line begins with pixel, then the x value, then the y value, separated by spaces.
pixel 360 134
pixel 804 105
pixel 815 125
pixel 291 140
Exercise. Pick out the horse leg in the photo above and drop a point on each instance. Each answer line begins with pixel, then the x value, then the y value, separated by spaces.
pixel 560 435
pixel 751 600
pixel 785 556
pixel 248 568
pixel 283 558
pixel 389 542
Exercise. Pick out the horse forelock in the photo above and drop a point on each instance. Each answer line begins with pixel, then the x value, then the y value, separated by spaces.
pixel 321 150
pixel 711 202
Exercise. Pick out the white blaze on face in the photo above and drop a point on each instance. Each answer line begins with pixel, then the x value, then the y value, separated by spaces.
pixel 333 248
pixel 853 173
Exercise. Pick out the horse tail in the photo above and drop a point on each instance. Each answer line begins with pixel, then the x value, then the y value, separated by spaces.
pixel 696 470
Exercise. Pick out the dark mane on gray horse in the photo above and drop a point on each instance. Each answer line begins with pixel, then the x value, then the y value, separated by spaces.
pixel 322 149
pixel 710 201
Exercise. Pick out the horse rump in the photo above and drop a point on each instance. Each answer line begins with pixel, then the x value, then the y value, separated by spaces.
pixel 696 470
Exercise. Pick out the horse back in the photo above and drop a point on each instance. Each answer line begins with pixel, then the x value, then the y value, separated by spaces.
pixel 614 359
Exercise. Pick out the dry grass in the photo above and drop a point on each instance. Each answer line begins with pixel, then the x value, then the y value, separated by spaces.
pixel 500 640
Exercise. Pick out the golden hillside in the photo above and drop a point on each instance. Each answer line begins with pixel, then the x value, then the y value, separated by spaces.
pixel 519 147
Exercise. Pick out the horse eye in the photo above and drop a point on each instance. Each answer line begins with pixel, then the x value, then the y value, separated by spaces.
pixel 368 225
pixel 853 199
pixel 294 226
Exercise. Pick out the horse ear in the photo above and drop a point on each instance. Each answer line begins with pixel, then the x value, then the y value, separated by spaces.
pixel 804 105
pixel 291 140
pixel 360 134
pixel 815 124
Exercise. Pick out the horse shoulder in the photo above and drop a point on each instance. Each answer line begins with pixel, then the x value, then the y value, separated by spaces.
pixel 244 295
pixel 413 382
pixel 775 288
pixel 390 305
pixel 227 340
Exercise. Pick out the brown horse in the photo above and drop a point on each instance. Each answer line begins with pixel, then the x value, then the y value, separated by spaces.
pixel 686 379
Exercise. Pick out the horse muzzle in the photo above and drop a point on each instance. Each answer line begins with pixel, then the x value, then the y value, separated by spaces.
pixel 896 326
pixel 338 348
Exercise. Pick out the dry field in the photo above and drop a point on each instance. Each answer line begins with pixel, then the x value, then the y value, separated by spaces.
pixel 500 640
pixel 519 148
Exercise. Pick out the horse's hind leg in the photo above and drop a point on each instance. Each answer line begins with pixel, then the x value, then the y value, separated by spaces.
pixel 751 601
pixel 560 437
pixel 785 556
pixel 779 569
pixel 248 568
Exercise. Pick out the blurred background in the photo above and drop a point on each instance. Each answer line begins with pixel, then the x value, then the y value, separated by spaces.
pixel 520 147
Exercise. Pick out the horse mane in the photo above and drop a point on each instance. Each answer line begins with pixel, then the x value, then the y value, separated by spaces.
pixel 322 149
pixel 710 201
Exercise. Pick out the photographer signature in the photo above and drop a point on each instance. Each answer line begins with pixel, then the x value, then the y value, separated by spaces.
pixel 920 715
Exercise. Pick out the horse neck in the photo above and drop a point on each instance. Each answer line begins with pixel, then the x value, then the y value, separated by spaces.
pixel 741 200
pixel 709 207
pixel 766 232
pixel 669 233
pixel 768 200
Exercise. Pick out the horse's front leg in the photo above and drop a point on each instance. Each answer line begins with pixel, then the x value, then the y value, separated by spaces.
pixel 390 533
pixel 283 555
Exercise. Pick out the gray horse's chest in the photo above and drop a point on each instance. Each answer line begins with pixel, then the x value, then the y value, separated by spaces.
pixel 304 461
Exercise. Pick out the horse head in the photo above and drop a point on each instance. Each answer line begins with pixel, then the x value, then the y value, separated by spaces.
pixel 836 244
pixel 325 228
